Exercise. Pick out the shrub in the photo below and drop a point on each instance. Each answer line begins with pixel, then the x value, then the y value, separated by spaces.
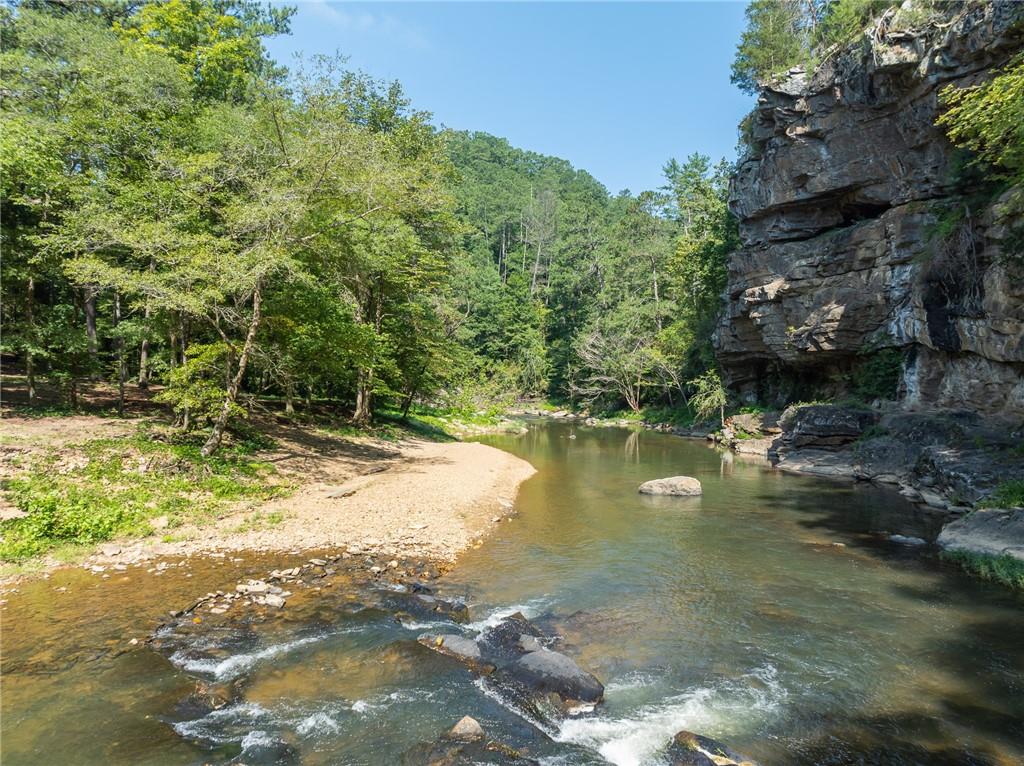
pixel 878 375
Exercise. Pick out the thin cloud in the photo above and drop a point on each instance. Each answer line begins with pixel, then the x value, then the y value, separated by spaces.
pixel 368 23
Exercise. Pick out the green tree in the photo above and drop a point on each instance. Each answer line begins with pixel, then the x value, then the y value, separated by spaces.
pixel 988 119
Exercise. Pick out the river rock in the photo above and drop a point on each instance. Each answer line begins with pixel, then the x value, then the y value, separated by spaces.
pixel 466 728
pixel 546 682
pixel 994 532
pixel 502 641
pixel 549 671
pixel 466 744
pixel 680 486
pixel 423 606
pixel 207 697
pixel 466 650
pixel 689 749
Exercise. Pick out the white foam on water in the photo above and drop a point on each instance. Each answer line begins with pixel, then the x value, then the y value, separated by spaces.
pixel 640 737
pixel 258 737
pixel 527 608
pixel 362 707
pixel 220 725
pixel 636 740
pixel 233 666
pixel 630 682
pixel 370 706
pixel 412 625
pixel 318 724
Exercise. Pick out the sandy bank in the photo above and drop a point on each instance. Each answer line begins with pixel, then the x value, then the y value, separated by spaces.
pixel 412 497
pixel 434 499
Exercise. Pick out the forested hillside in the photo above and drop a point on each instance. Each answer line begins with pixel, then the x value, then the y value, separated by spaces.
pixel 181 210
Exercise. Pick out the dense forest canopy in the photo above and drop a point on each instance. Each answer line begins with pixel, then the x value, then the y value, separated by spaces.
pixel 180 210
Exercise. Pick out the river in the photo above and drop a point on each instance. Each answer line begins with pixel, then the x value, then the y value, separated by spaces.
pixel 771 613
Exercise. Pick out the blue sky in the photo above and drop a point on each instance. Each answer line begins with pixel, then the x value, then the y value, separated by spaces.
pixel 615 88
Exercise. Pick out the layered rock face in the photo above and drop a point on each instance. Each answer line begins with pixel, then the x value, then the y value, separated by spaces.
pixel 837 203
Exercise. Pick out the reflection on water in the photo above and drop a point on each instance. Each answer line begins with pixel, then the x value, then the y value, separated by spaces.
pixel 771 613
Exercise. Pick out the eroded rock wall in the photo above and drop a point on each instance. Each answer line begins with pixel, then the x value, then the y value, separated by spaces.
pixel 837 204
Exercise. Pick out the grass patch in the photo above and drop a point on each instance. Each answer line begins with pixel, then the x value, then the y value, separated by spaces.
pixel 107 488
pixel 1009 494
pixel 260 520
pixel 1005 569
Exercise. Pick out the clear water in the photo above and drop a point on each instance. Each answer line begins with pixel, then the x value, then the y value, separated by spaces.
pixel 735 615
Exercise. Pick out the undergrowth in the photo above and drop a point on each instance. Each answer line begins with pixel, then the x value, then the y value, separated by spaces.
pixel 1004 569
pixel 1009 494
pixel 107 488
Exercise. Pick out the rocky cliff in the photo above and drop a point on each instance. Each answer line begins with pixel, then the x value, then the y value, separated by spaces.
pixel 843 260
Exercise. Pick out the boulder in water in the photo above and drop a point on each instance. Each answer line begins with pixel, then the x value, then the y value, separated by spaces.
pixel 689 749
pixel 503 641
pixel 466 650
pixel 679 486
pixel 466 728
pixel 547 671
pixel 546 682
pixel 466 744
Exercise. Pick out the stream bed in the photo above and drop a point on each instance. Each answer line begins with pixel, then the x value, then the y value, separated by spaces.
pixel 773 613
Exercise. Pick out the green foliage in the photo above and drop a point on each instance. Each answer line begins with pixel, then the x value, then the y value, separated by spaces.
pixel 988 120
pixel 1008 494
pixel 776 39
pixel 709 396
pixel 1005 570
pixel 878 374
pixel 782 34
pixel 195 389
pixel 181 210
pixel 111 487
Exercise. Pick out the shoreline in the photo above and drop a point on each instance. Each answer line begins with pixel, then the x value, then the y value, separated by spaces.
pixel 412 498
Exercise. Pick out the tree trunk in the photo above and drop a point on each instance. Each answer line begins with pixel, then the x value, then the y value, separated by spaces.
pixel 144 346
pixel 289 397
pixel 173 343
pixel 30 368
pixel 536 266
pixel 122 365
pixel 90 325
pixel 235 383
pixel 364 398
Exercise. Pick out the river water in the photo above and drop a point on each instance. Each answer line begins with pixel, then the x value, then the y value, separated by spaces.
pixel 771 613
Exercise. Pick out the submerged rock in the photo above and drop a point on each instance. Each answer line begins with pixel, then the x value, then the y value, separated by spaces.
pixel 423 606
pixel 681 486
pixel 466 744
pixel 689 749
pixel 265 751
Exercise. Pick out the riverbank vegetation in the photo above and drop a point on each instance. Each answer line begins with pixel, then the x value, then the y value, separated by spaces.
pixel 1005 570
pixel 183 212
